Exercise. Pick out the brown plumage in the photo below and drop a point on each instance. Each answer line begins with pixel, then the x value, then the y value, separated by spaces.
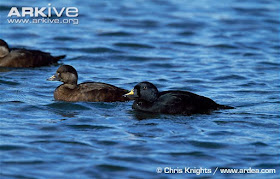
pixel 20 58
pixel 89 91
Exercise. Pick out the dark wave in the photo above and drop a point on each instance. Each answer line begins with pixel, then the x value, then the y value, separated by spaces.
pixel 224 46
pixel 116 34
pixel 230 77
pixel 185 43
pixel 187 24
pixel 112 167
pixel 210 145
pixel 193 154
pixel 12 147
pixel 140 23
pixel 9 83
pixel 25 162
pixel 89 127
pixel 186 33
pixel 64 38
pixel 98 50
pixel 133 45
pixel 6 8
pixel 141 58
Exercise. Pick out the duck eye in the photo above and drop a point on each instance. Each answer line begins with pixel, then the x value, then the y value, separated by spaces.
pixel 145 87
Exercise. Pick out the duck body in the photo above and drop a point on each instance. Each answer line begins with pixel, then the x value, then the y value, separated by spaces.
pixel 23 58
pixel 177 102
pixel 90 91
pixel 19 58
pixel 148 99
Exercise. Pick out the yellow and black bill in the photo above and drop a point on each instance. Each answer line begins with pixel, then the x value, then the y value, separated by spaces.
pixel 131 94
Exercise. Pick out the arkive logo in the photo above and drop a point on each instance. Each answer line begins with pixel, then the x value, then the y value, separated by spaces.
pixel 43 12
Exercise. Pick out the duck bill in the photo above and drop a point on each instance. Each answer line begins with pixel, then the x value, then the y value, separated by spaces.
pixel 131 94
pixel 53 78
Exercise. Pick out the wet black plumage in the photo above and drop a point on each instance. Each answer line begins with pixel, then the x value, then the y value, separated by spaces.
pixel 89 91
pixel 149 99
pixel 23 58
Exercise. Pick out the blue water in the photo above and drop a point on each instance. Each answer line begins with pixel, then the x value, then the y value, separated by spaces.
pixel 226 50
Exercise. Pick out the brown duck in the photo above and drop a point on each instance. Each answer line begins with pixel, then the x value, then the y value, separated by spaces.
pixel 23 58
pixel 89 91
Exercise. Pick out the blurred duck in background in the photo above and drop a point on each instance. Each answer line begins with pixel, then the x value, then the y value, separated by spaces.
pixel 24 58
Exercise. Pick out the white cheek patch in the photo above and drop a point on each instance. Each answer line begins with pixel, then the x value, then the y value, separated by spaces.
pixel 3 51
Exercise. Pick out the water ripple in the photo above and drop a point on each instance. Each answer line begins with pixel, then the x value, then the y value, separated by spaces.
pixel 9 82
pixel 133 45
pixel 117 34
pixel 67 106
pixel 98 50
pixel 89 127
pixel 210 145
pixel 230 77
pixel 12 147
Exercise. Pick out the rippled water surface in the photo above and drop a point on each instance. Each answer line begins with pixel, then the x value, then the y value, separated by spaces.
pixel 226 50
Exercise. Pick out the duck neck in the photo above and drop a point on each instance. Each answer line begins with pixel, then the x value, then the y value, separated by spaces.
pixel 4 51
pixel 70 86
pixel 152 99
